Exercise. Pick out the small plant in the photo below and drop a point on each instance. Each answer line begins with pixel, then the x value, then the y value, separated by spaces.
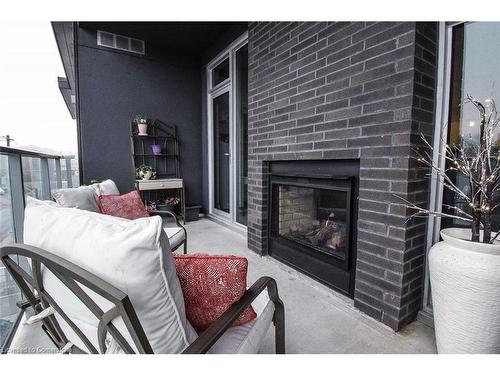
pixel 479 162
pixel 140 119
pixel 145 172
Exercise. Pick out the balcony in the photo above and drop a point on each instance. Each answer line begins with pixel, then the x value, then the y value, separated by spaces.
pixel 115 85
pixel 337 326
pixel 319 320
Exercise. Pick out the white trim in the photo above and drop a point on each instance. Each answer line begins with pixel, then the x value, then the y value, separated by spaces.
pixel 234 122
pixel 442 100
pixel 227 85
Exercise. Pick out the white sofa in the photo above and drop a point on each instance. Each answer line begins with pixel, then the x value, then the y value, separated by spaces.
pixel 86 198
pixel 112 287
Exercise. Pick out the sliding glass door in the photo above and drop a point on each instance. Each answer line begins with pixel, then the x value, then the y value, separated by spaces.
pixel 475 71
pixel 465 67
pixel 227 80
pixel 221 162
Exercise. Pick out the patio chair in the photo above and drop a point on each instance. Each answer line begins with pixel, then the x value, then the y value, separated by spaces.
pixel 79 198
pixel 79 273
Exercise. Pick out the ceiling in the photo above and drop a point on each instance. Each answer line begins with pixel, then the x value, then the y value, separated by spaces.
pixel 191 37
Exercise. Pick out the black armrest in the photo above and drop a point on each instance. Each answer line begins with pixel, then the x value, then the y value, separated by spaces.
pixel 158 212
pixel 210 336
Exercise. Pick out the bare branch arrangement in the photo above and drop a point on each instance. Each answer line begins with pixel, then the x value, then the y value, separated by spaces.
pixel 479 163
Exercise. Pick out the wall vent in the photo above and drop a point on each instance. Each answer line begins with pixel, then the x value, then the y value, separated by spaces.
pixel 120 42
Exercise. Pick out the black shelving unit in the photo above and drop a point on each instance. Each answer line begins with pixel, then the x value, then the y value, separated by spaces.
pixel 166 163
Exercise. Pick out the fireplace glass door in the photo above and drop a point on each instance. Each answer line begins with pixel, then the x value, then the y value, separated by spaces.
pixel 316 218
pixel 312 217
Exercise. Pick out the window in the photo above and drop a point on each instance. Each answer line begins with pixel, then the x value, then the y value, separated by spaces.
pixel 475 71
pixel 220 73
pixel 468 64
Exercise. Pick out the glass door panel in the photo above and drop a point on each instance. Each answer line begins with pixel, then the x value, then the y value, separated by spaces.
pixel 32 177
pixel 7 233
pixel 221 152
pixel 241 134
pixel 9 293
pixel 474 71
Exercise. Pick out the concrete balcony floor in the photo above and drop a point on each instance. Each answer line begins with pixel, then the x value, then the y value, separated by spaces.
pixel 318 320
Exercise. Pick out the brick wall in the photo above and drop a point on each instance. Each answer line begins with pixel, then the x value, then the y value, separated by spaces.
pixel 345 90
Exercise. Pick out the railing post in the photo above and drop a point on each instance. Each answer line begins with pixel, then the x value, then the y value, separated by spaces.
pixel 17 194
pixel 58 173
pixel 68 172
pixel 45 178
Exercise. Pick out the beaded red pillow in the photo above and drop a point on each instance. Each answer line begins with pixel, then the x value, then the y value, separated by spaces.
pixel 127 206
pixel 210 285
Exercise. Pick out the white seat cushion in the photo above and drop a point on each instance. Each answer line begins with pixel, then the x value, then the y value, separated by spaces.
pixel 132 255
pixel 247 338
pixel 175 235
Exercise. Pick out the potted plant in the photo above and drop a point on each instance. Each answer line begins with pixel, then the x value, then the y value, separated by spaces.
pixel 464 267
pixel 142 124
pixel 145 172
pixel 168 204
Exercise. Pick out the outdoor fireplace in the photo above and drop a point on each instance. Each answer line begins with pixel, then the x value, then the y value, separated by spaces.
pixel 313 219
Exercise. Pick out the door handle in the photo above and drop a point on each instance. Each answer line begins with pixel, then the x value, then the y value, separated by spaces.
pixel 226 154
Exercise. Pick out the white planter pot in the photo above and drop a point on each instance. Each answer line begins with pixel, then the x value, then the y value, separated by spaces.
pixel 465 287
pixel 143 129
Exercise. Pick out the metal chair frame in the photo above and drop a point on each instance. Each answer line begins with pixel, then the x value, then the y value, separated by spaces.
pixel 70 275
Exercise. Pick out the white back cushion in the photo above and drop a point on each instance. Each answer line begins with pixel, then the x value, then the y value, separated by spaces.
pixel 132 255
pixel 83 198
pixel 107 187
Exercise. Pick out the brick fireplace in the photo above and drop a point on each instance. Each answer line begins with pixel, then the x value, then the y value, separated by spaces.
pixel 339 91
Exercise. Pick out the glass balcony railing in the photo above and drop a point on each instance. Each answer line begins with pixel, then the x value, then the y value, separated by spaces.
pixel 24 173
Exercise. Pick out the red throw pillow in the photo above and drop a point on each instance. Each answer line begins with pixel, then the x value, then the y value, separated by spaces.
pixel 211 284
pixel 128 206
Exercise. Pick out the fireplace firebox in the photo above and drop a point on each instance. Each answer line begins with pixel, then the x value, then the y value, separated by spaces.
pixel 313 219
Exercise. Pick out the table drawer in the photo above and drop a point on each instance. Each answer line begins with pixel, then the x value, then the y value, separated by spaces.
pixel 174 183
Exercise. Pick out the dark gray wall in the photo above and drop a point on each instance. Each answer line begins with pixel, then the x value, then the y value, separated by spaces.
pixel 113 87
